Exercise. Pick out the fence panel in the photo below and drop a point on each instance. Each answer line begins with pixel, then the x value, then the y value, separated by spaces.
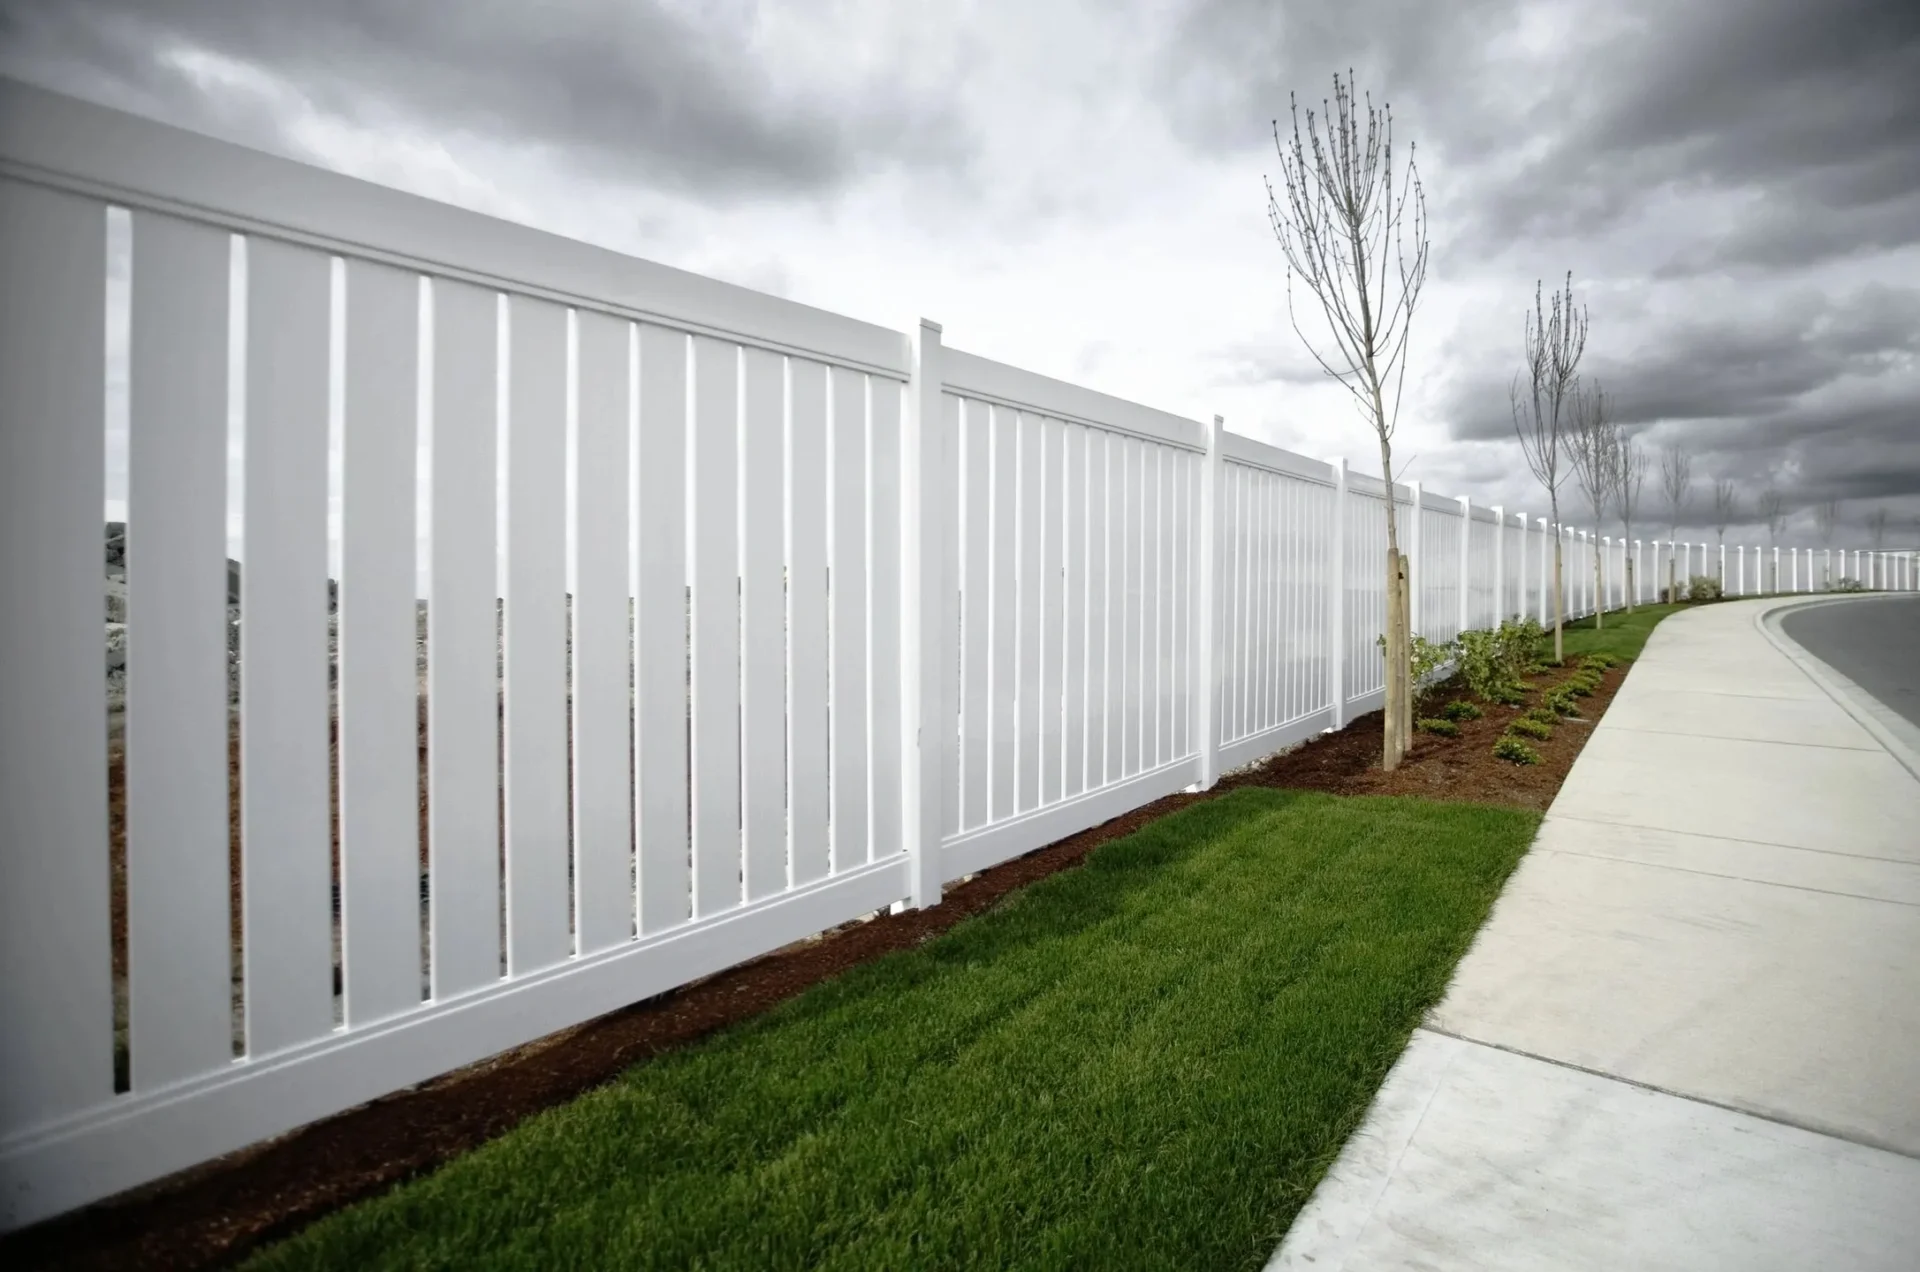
pixel 673 709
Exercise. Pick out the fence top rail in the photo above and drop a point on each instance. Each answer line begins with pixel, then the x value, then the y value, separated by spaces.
pixel 62 142
pixel 1236 449
pixel 1367 484
pixel 983 379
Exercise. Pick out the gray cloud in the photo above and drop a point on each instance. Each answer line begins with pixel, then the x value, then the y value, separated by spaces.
pixel 638 90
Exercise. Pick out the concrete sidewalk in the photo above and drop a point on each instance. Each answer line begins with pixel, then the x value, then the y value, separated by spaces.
pixel 1689 1035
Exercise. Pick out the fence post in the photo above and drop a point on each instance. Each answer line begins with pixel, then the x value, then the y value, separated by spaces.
pixel 1546 566
pixel 1205 683
pixel 1337 602
pixel 1466 560
pixel 1416 566
pixel 926 662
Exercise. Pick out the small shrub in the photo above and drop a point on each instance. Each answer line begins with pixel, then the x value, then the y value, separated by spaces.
pixel 1461 709
pixel 1600 662
pixel 1845 584
pixel 1515 751
pixel 1480 663
pixel 1579 688
pixel 1560 702
pixel 1427 659
pixel 1440 728
pixel 1517 644
pixel 1523 727
pixel 1703 587
pixel 1507 695
pixel 1541 715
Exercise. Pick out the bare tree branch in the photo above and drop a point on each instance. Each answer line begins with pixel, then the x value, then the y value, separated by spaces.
pixel 1726 506
pixel 1772 508
pixel 1541 397
pixel 1593 445
pixel 1826 516
pixel 1877 523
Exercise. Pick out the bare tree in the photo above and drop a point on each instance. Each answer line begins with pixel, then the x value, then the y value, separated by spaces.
pixel 1630 473
pixel 1726 508
pixel 1591 444
pixel 1338 216
pixel 1541 396
pixel 1676 483
pixel 1877 524
pixel 1826 515
pixel 1773 511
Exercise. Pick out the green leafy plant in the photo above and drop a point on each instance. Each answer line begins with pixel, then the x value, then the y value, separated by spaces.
pixel 1518 643
pixel 1428 658
pixel 1703 587
pixel 1508 695
pixel 1560 702
pixel 1845 584
pixel 1461 709
pixel 1440 728
pixel 1541 715
pixel 1579 688
pixel 1524 727
pixel 1515 751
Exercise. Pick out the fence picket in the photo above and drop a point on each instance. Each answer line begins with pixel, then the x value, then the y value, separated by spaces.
pixel 714 556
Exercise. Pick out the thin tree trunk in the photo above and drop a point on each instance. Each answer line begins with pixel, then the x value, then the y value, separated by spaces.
pixel 1559 603
pixel 1599 593
pixel 1629 580
pixel 1406 664
pixel 1392 745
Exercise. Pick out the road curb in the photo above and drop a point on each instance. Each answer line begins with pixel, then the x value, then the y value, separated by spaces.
pixel 1889 729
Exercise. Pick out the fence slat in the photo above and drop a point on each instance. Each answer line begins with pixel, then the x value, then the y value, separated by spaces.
pixel 603 897
pixel 714 553
pixel 660 633
pixel 1028 568
pixel 285 816
pixel 534 654
pixel 1099 591
pixel 1052 616
pixel 57 1049
pixel 379 715
pixel 463 677
pixel 179 945
pixel 1073 636
pixel 763 622
pixel 883 613
pixel 848 595
pixel 1133 666
pixel 976 584
pixel 1004 669
pixel 1154 750
pixel 807 648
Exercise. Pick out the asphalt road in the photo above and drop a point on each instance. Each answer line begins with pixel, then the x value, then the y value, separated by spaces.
pixel 1874 643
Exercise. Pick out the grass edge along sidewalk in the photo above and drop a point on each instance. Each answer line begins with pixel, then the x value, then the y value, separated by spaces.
pixel 1145 1062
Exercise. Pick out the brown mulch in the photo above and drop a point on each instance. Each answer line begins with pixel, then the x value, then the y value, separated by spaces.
pixel 215 1214
pixel 1460 768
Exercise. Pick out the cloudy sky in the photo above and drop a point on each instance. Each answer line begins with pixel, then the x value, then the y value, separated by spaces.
pixel 1075 187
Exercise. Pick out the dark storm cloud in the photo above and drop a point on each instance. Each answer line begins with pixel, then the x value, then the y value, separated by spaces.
pixel 627 89
pixel 1759 367
pixel 1811 109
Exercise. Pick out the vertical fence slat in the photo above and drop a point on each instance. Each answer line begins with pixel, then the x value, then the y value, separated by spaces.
pixel 57 1049
pixel 1003 668
pixel 883 614
pixel 534 653
pixel 180 963
pixel 1185 473
pixel 763 621
pixel 463 696
pixel 1052 609
pixel 714 556
pixel 847 583
pixel 1073 660
pixel 940 700
pixel 1166 599
pixel 1028 569
pixel 285 817
pixel 1138 709
pixel 379 721
pixel 975 583
pixel 602 755
pixel 807 668
pixel 1099 603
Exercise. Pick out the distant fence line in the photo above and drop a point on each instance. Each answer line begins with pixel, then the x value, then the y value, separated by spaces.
pixel 853 614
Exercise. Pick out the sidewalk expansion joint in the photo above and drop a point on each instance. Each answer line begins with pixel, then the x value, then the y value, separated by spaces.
pixel 1778 1119
pixel 1718 874
pixel 1731 839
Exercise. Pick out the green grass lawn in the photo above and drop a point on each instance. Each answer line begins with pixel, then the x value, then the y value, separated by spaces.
pixel 1146 1062
pixel 1624 635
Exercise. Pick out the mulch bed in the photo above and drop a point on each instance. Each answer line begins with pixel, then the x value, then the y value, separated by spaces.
pixel 1463 767
pixel 216 1213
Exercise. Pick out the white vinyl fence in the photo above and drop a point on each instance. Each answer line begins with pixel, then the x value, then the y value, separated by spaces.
pixel 741 620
